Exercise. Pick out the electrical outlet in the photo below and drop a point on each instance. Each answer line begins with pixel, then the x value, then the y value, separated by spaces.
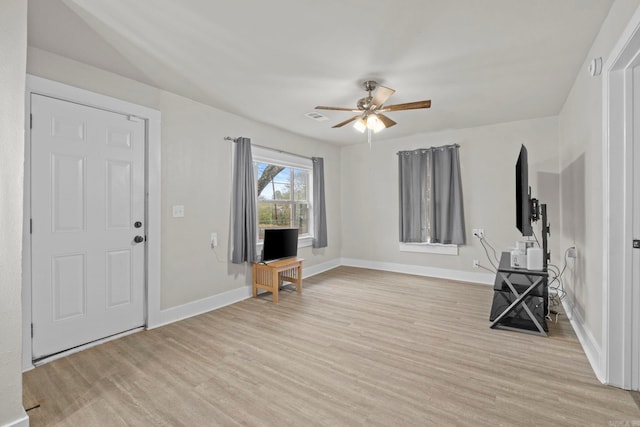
pixel 214 240
pixel 178 211
pixel 476 263
pixel 572 252
pixel 478 232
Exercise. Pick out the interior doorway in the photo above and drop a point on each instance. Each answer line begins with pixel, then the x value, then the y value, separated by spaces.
pixel 635 252
pixel 620 361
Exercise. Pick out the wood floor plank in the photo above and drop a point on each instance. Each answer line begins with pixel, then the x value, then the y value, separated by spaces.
pixel 358 347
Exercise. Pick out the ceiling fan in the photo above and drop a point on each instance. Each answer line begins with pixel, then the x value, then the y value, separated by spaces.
pixel 370 109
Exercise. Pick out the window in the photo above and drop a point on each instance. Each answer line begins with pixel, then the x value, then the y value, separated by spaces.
pixel 284 192
pixel 431 210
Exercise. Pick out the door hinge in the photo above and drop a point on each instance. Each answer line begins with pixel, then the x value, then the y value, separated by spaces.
pixel 32 330
pixel 636 244
pixel 30 121
pixel 30 225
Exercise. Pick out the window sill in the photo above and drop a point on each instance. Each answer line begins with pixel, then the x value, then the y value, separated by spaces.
pixel 305 242
pixel 429 248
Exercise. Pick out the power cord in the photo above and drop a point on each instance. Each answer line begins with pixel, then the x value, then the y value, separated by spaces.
pixel 556 285
pixel 488 269
pixel 495 255
pixel 536 237
pixel 216 255
pixel 484 242
pixel 486 251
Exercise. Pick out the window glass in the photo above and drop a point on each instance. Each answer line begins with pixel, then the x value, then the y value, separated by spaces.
pixel 283 197
pixel 301 183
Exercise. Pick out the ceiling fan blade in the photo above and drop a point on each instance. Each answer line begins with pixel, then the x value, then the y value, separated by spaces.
pixel 380 97
pixel 386 120
pixel 407 106
pixel 322 107
pixel 339 125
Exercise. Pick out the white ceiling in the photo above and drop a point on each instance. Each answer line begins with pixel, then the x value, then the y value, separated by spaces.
pixel 480 62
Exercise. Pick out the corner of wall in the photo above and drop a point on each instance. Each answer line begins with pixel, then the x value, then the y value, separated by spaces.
pixel 13 46
pixel 591 348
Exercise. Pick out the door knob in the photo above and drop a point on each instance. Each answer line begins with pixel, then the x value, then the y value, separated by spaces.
pixel 138 239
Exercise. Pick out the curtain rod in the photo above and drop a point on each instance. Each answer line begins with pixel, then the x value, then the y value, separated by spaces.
pixel 441 147
pixel 229 138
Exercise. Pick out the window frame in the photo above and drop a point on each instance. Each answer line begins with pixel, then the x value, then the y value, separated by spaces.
pixel 279 158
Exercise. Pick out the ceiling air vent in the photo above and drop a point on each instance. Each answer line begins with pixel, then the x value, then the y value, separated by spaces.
pixel 317 116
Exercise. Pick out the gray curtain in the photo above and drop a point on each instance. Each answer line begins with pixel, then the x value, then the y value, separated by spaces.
pixel 319 205
pixel 413 178
pixel 243 196
pixel 431 196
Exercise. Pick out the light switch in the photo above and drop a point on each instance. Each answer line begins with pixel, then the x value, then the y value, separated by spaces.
pixel 178 211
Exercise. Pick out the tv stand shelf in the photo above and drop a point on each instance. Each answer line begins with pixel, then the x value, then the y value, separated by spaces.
pixel 269 276
pixel 520 299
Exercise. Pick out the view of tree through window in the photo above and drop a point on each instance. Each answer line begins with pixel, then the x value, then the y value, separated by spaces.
pixel 283 197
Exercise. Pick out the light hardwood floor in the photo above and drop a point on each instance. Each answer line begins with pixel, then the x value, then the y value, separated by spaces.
pixel 358 347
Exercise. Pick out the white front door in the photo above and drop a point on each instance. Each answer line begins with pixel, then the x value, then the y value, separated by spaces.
pixel 87 208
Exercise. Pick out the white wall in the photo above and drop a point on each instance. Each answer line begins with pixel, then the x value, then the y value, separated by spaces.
pixel 487 160
pixel 196 173
pixel 581 139
pixel 13 46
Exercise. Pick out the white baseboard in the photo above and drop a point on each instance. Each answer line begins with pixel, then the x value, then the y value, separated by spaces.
pixel 588 342
pixel 320 268
pixel 419 270
pixel 23 421
pixel 201 306
pixel 214 302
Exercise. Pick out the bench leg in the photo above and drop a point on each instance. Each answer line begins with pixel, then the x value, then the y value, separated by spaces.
pixel 275 283
pixel 255 278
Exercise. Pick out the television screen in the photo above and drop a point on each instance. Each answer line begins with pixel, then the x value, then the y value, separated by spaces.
pixel 279 243
pixel 523 204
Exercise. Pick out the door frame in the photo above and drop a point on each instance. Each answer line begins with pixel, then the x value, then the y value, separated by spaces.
pixel 152 118
pixel 619 298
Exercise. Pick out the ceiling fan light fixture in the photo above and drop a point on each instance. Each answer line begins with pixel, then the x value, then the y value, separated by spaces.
pixel 370 110
pixel 360 125
pixel 374 123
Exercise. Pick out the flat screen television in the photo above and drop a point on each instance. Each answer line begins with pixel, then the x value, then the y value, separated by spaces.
pixel 279 243
pixel 523 195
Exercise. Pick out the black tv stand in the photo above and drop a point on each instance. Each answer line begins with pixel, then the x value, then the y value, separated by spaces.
pixel 520 298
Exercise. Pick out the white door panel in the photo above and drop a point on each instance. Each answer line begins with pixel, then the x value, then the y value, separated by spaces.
pixel 119 280
pixel 68 286
pixel 87 192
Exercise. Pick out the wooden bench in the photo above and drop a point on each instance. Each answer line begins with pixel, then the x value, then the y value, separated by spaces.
pixel 270 276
